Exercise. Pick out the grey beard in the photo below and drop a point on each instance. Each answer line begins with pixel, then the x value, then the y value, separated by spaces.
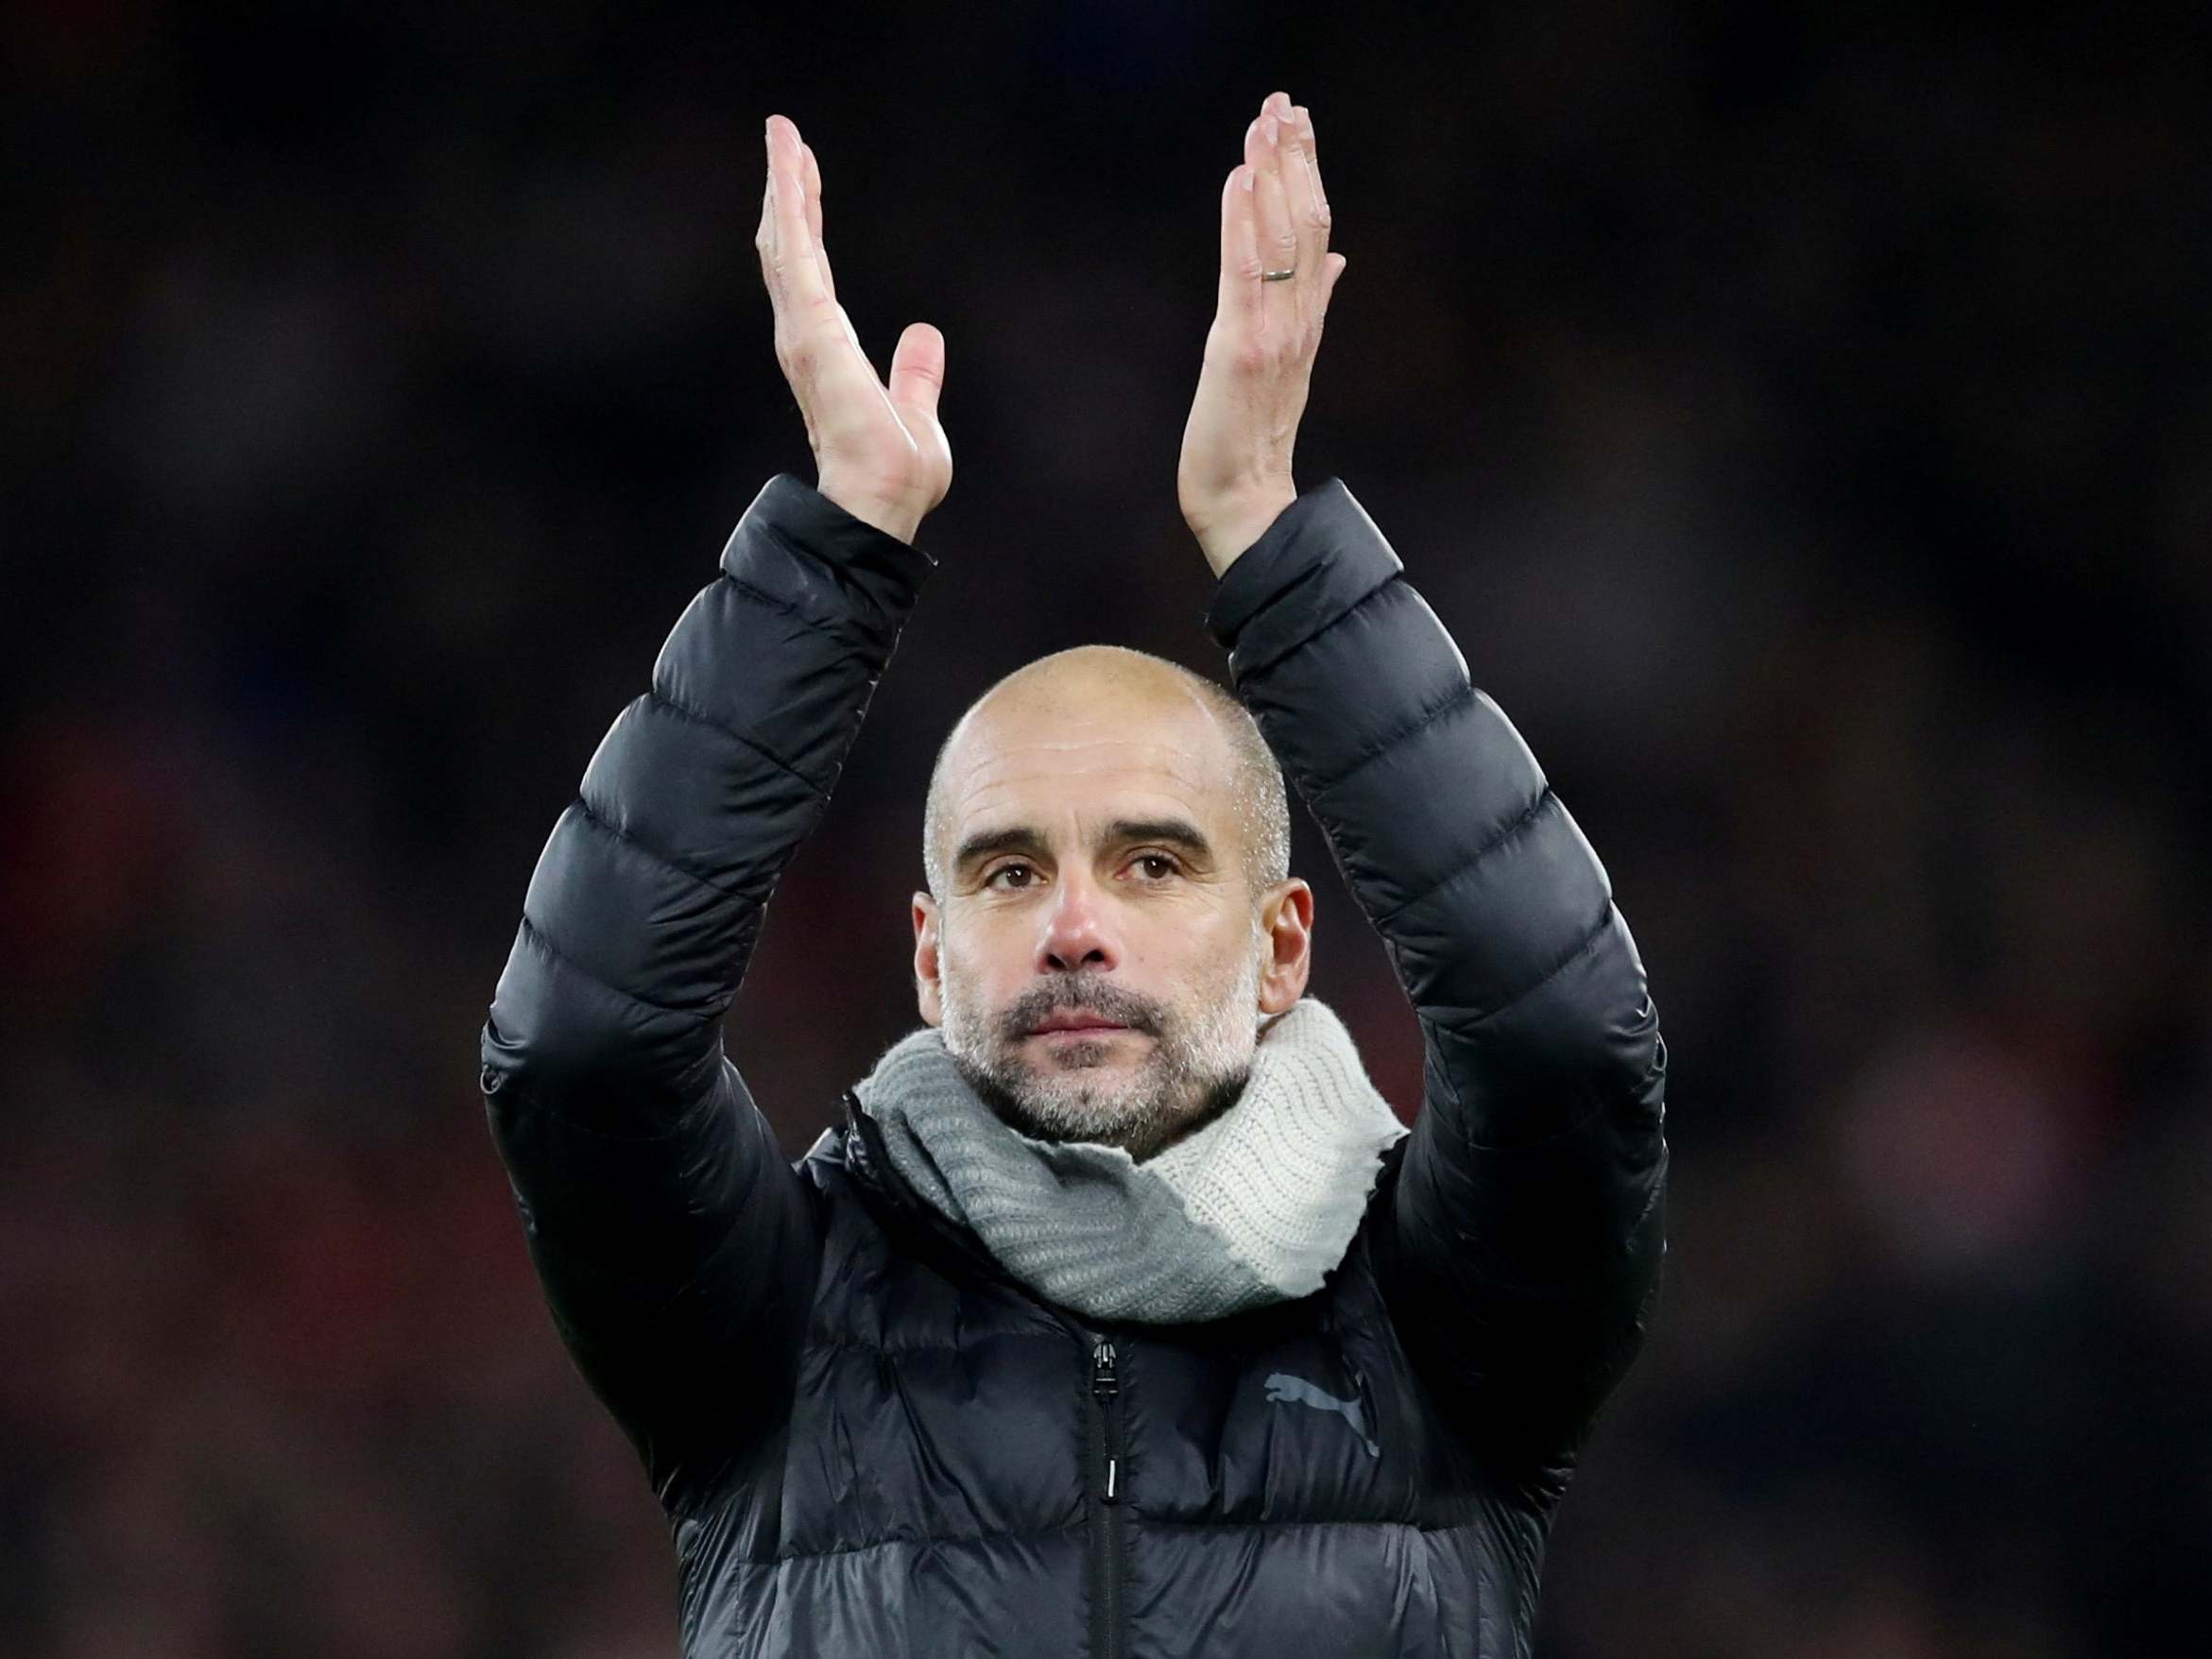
pixel 1176 1089
pixel 1150 1125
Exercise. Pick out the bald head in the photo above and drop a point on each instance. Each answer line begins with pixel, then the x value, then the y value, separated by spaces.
pixel 1073 695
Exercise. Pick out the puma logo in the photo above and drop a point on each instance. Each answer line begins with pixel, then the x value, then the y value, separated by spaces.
pixel 1282 1388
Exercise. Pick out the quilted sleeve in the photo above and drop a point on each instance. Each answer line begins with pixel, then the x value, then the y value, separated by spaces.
pixel 1520 1243
pixel 676 1244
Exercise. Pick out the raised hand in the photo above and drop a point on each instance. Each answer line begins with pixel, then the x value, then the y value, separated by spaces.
pixel 1235 473
pixel 880 453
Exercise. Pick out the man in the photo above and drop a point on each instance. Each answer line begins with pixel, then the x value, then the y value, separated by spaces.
pixel 1119 1315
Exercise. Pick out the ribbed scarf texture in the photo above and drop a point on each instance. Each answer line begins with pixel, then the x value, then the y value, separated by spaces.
pixel 1253 1209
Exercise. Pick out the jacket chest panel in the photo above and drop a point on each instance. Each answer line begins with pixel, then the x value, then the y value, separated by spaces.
pixel 927 1408
pixel 935 1439
pixel 1279 1430
pixel 960 1406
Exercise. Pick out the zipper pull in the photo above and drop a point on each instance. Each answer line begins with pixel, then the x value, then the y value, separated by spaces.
pixel 1105 1384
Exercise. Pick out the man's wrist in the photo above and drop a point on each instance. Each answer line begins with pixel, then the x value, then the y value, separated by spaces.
pixel 893 521
pixel 1227 537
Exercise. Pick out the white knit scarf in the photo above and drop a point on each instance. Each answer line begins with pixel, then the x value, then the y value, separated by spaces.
pixel 1254 1207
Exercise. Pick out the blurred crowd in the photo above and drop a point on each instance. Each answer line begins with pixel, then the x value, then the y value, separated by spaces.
pixel 1801 416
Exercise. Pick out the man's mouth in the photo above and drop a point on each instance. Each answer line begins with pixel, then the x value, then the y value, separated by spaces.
pixel 1075 1021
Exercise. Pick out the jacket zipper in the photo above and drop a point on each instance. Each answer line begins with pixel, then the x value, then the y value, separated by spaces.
pixel 1108 1635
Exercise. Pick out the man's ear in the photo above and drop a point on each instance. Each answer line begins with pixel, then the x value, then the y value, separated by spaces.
pixel 928 980
pixel 1286 923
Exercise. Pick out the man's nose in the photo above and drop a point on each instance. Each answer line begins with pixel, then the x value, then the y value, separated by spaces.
pixel 1077 931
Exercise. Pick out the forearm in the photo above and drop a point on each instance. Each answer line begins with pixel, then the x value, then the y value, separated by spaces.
pixel 1527 1205
pixel 1226 533
pixel 642 914
pixel 893 516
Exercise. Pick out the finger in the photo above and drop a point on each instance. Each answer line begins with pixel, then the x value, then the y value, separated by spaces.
pixel 917 368
pixel 1237 299
pixel 1302 187
pixel 816 345
pixel 1309 157
pixel 812 179
pixel 1277 236
pixel 765 238
pixel 798 270
pixel 764 233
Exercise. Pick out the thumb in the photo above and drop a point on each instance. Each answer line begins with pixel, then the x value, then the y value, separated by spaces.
pixel 917 368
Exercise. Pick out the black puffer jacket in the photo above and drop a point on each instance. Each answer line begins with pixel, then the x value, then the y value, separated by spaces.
pixel 867 1439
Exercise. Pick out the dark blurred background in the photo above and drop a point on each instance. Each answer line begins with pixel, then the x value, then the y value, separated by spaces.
pixel 1801 416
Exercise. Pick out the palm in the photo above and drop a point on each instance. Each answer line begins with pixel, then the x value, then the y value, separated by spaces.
pixel 880 440
pixel 1235 472
pixel 884 438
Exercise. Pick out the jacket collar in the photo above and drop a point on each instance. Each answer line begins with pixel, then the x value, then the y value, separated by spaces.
pixel 886 1191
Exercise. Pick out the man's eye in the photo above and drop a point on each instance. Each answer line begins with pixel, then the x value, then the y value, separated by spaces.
pixel 1016 876
pixel 1157 866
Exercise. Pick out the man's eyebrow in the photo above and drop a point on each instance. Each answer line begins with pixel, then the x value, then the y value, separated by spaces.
pixel 984 843
pixel 1176 832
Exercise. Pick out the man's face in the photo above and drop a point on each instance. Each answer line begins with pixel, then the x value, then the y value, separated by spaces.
pixel 1100 963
